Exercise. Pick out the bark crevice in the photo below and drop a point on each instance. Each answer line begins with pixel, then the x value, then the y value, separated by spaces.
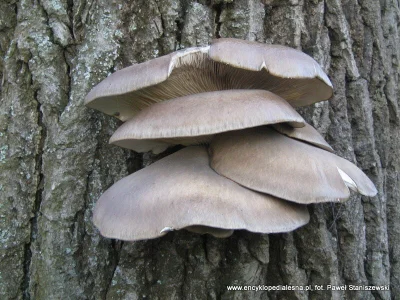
pixel 37 203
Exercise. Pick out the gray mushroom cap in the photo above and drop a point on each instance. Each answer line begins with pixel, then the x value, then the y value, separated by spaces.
pixel 194 119
pixel 290 73
pixel 226 64
pixel 306 134
pixel 181 190
pixel 266 161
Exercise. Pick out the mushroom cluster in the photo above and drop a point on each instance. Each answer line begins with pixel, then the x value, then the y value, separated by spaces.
pixel 252 162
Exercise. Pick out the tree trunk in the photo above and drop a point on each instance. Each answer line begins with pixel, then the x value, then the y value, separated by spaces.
pixel 55 160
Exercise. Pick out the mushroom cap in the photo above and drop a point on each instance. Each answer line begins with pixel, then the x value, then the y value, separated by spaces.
pixel 194 119
pixel 226 64
pixel 181 190
pixel 306 134
pixel 295 76
pixel 127 91
pixel 269 162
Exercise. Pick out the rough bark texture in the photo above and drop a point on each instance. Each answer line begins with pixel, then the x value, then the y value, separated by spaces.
pixel 55 161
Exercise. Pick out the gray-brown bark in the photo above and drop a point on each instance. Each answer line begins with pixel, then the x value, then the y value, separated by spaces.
pixel 55 160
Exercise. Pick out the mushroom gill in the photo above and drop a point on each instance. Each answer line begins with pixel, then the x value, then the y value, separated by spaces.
pixel 194 119
pixel 182 191
pixel 216 232
pixel 225 64
pixel 266 161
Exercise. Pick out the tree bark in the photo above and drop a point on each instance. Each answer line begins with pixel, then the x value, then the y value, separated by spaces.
pixel 55 160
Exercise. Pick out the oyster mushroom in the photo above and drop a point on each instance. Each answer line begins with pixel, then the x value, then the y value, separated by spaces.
pixel 269 162
pixel 225 64
pixel 194 119
pixel 182 191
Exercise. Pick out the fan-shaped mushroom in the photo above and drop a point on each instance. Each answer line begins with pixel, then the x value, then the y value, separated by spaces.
pixel 290 73
pixel 226 64
pixel 181 190
pixel 266 161
pixel 194 119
